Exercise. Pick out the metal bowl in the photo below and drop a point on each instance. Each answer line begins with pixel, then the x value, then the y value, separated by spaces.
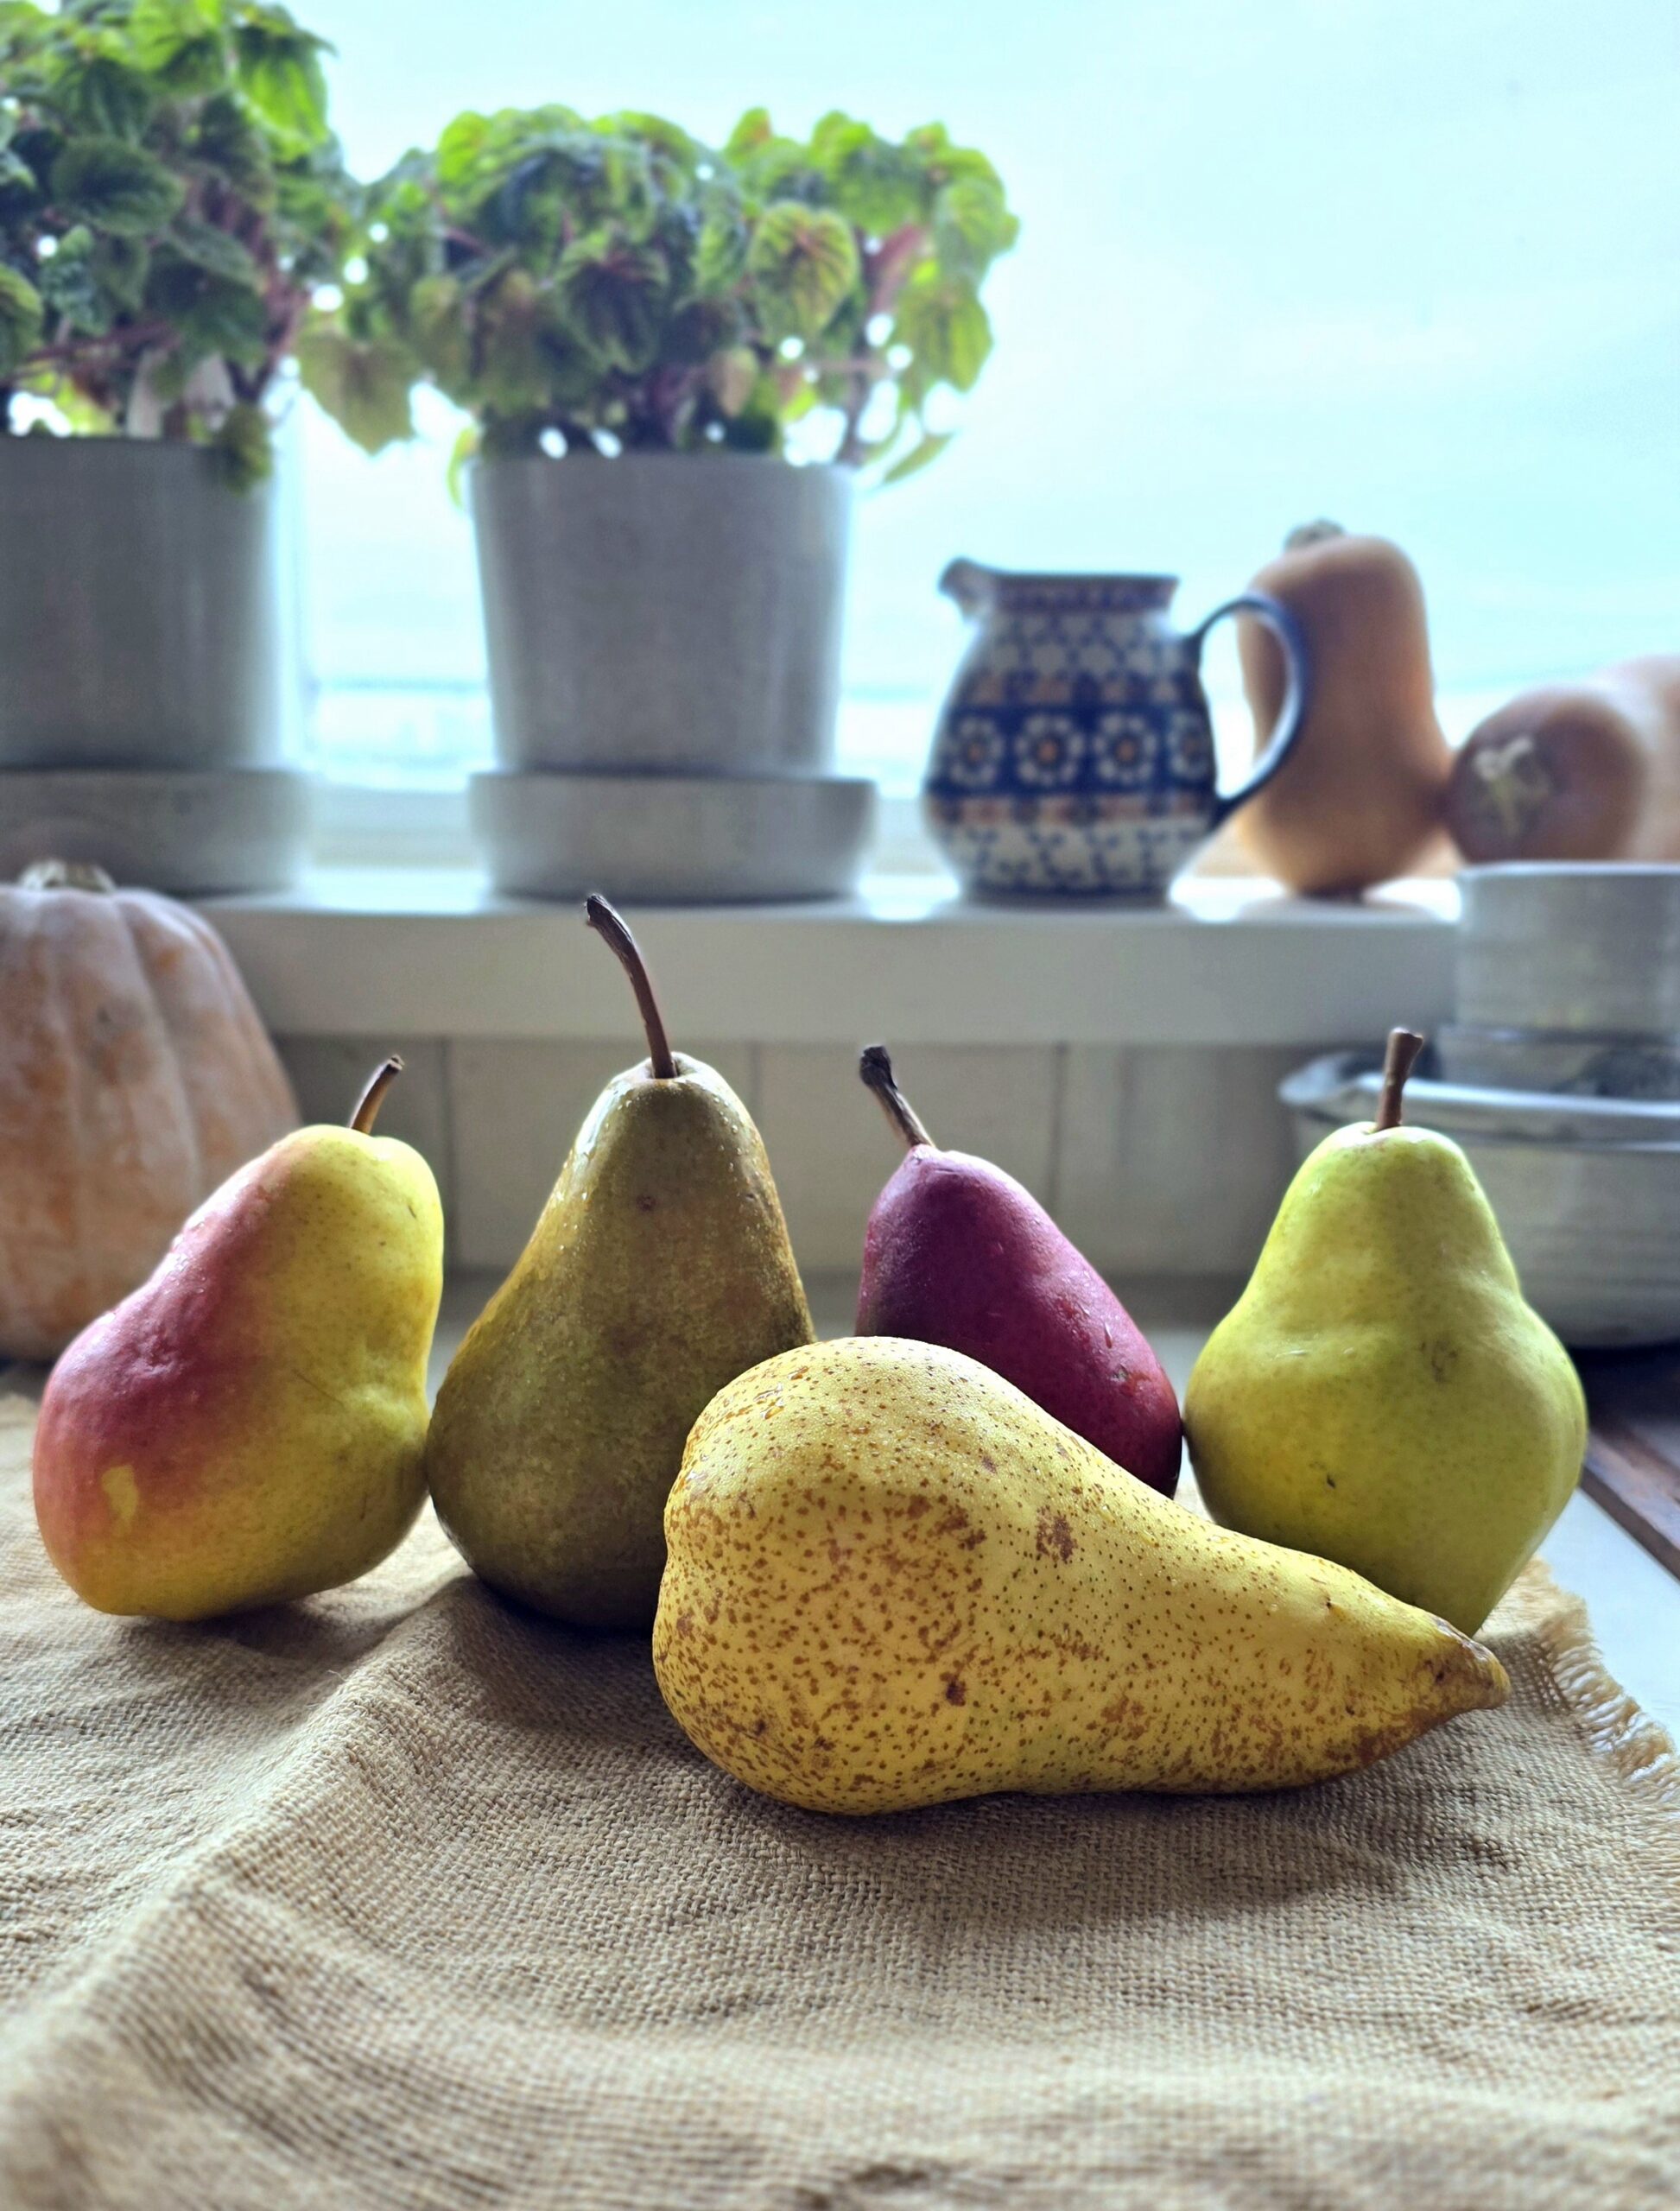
pixel 1565 1063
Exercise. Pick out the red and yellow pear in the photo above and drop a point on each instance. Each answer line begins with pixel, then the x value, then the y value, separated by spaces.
pixel 250 1425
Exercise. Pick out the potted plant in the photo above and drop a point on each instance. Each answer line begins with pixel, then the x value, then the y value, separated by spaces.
pixel 170 200
pixel 644 332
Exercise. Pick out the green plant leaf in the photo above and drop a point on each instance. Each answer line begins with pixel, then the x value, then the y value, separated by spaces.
pixel 804 262
pixel 929 448
pixel 942 322
pixel 362 384
pixel 122 266
pixel 21 319
pixel 214 249
pixel 971 227
pixel 105 96
pixel 613 292
pixel 243 445
pixel 210 313
pixel 874 184
pixel 69 284
pixel 115 186
pixel 732 377
pixel 941 162
pixel 699 329
pixel 507 335
pixel 437 329
pixel 720 251
pixel 226 137
pixel 461 454
pixel 180 42
pixel 85 417
pixel 280 75
pixel 22 27
pixel 750 135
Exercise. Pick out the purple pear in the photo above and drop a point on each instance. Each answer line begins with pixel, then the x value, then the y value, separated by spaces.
pixel 958 1253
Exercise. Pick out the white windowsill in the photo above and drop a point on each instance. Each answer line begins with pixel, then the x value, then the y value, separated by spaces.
pixel 430 952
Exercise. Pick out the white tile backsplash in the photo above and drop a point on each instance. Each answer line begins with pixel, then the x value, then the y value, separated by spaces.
pixel 832 1149
pixel 515 1107
pixel 1172 1159
pixel 1160 1161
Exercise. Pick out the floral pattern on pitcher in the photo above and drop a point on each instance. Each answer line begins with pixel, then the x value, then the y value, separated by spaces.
pixel 1075 753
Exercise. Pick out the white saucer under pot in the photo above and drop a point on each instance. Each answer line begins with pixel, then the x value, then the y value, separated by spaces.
pixel 698 840
pixel 188 831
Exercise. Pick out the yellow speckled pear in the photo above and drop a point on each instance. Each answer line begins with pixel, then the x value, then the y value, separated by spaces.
pixel 892 1580
pixel 1381 1393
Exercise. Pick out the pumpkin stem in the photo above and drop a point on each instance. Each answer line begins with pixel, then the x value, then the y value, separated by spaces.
pixel 876 1068
pixel 373 1096
pixel 1404 1046
pixel 64 875
pixel 1513 783
pixel 1312 533
pixel 606 922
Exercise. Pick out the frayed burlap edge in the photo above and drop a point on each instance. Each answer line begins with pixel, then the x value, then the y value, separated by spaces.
pixel 1637 1749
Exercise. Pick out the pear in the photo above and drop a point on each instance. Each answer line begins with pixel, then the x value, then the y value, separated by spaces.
pixel 957 1252
pixel 250 1425
pixel 894 1579
pixel 1380 1393
pixel 659 1269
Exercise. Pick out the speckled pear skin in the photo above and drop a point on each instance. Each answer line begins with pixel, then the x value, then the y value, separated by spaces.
pixel 1380 1393
pixel 659 1269
pixel 250 1425
pixel 893 1580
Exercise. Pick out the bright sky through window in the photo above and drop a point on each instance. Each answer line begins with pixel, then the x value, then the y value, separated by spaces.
pixel 1412 264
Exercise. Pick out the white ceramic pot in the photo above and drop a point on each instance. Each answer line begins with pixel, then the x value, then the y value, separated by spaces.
pixel 662 611
pixel 1591 946
pixel 138 609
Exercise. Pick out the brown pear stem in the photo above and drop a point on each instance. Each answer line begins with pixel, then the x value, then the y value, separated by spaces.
pixel 1404 1046
pixel 373 1096
pixel 876 1068
pixel 605 922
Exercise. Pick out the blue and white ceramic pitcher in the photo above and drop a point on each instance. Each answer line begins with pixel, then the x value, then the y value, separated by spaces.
pixel 1075 752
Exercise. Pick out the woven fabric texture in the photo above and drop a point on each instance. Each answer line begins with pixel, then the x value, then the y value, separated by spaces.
pixel 400 1897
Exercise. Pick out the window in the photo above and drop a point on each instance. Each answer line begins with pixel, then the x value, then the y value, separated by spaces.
pixel 1409 263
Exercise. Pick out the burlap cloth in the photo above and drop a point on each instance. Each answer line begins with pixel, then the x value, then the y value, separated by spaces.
pixel 401 1897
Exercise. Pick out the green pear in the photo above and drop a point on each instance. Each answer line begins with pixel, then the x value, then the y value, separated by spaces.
pixel 1380 1393
pixel 250 1425
pixel 894 1579
pixel 659 1269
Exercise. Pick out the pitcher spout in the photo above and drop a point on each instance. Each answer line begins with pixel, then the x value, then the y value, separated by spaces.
pixel 973 585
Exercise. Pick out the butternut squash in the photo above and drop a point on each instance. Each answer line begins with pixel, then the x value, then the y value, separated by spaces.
pixel 1575 771
pixel 135 1076
pixel 1359 799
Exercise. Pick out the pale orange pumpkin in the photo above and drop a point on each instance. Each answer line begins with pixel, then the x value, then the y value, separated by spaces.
pixel 135 1076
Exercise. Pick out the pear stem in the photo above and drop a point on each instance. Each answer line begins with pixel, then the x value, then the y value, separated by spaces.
pixel 605 922
pixel 876 1068
pixel 373 1096
pixel 1404 1046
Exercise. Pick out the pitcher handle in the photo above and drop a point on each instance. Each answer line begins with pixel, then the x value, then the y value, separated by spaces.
pixel 1297 692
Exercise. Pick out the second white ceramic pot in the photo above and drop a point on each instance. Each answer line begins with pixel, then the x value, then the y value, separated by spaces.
pixel 665 612
pixel 138 609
